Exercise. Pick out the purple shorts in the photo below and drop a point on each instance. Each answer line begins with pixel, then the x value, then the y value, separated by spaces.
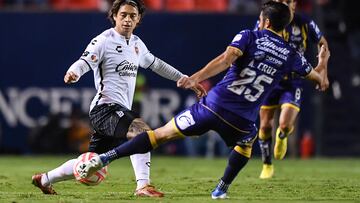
pixel 204 116
pixel 284 95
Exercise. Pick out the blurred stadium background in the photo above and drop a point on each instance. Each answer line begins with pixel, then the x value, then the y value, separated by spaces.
pixel 40 39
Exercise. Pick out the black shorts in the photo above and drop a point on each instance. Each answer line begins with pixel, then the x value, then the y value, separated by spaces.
pixel 111 123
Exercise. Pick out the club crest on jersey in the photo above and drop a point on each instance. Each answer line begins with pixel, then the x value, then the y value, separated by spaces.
pixel 136 50
pixel 259 55
pixel 296 30
pixel 94 58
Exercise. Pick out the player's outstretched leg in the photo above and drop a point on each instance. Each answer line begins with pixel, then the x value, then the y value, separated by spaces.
pixel 46 189
pixel 44 181
pixel 265 147
pixel 140 144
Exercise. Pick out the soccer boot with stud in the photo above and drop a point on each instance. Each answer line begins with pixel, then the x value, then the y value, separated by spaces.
pixel 148 191
pixel 36 180
pixel 267 171
pixel 280 147
pixel 218 194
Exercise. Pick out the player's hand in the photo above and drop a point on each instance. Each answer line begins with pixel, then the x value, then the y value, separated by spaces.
pixel 199 90
pixel 70 77
pixel 324 54
pixel 324 82
pixel 188 83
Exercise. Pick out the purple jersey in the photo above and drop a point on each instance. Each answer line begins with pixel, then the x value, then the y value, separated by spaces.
pixel 266 59
pixel 299 32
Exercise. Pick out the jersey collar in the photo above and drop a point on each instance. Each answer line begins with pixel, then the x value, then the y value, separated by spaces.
pixel 276 33
pixel 121 37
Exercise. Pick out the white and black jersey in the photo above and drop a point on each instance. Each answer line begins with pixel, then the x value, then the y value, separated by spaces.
pixel 115 61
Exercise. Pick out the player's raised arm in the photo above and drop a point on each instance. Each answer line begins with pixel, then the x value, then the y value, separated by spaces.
pixel 318 73
pixel 323 42
pixel 214 67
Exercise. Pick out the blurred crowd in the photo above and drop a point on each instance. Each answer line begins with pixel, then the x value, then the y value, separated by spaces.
pixel 229 6
pixel 240 6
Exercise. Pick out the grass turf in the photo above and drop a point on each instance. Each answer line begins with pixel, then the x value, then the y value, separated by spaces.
pixel 190 180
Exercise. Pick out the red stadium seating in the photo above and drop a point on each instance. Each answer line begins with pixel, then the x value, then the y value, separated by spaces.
pixel 155 5
pixel 211 5
pixel 179 5
pixel 76 4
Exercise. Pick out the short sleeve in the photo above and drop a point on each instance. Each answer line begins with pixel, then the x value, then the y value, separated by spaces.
pixel 94 52
pixel 241 40
pixel 146 58
pixel 314 32
pixel 300 65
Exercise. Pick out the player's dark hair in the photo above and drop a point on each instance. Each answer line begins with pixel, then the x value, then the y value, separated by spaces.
pixel 278 14
pixel 139 4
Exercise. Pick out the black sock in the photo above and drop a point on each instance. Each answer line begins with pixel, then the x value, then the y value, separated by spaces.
pixel 138 145
pixel 265 147
pixel 235 164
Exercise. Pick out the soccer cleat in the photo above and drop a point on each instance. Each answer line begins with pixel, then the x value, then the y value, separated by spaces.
pixel 218 194
pixel 280 147
pixel 90 167
pixel 267 171
pixel 36 180
pixel 148 191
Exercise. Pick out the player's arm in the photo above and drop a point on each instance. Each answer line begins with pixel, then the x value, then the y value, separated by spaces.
pixel 317 74
pixel 214 67
pixel 324 71
pixel 165 70
pixel 90 59
pixel 76 70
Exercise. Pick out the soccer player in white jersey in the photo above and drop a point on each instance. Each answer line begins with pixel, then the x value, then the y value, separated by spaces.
pixel 114 56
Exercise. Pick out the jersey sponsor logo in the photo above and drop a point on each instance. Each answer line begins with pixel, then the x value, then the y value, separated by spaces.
pixel 185 120
pixel 268 46
pixel 126 68
pixel 274 61
pixel 85 53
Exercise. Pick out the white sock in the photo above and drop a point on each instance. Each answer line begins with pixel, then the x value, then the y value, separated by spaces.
pixel 61 173
pixel 141 166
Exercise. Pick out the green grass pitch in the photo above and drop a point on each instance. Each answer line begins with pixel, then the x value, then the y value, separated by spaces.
pixel 190 180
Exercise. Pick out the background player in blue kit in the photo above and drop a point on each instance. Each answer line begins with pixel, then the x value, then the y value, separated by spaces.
pixel 256 62
pixel 288 94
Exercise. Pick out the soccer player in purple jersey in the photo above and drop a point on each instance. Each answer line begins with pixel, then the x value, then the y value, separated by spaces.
pixel 287 95
pixel 256 62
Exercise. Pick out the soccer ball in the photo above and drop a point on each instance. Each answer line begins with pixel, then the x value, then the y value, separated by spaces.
pixel 94 179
